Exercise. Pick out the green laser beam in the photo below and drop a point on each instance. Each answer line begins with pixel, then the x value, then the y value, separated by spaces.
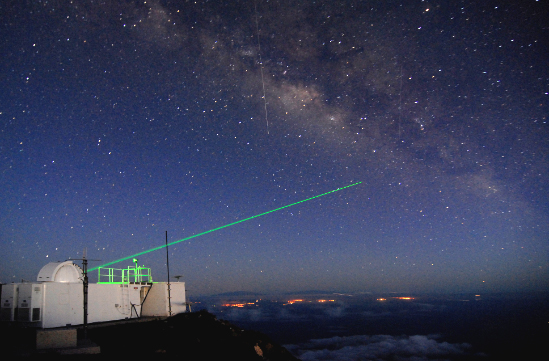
pixel 218 228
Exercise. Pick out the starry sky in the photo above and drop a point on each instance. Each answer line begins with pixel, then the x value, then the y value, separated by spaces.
pixel 121 120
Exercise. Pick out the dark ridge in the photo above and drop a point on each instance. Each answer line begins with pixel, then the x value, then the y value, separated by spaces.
pixel 187 336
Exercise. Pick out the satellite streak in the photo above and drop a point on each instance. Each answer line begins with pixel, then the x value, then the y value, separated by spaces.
pixel 218 228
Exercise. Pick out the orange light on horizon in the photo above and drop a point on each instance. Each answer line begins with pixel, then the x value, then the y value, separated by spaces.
pixel 237 304
pixel 291 302
pixel 396 298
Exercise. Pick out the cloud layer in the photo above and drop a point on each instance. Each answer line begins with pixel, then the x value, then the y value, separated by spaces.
pixel 379 347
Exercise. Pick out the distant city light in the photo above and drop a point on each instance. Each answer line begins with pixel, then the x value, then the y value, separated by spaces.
pixel 291 302
pixel 238 304
pixel 396 298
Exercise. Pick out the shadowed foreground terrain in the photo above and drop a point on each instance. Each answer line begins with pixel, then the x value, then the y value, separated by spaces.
pixel 190 336
pixel 194 336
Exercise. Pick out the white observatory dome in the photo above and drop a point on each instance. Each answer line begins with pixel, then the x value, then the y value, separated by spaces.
pixel 60 272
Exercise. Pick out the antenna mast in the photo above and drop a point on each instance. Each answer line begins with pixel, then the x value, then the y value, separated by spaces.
pixel 168 265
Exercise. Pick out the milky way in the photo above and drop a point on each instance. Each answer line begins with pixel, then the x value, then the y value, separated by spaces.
pixel 120 121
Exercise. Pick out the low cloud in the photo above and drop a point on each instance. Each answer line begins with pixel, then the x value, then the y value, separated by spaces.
pixel 379 347
pixel 252 314
pixel 243 314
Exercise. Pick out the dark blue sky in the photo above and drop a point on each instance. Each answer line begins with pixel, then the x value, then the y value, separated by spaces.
pixel 122 120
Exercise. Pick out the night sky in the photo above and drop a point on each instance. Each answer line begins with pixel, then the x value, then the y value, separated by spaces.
pixel 121 120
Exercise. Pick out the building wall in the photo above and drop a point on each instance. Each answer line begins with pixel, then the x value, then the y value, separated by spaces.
pixel 114 301
pixel 58 304
pixel 9 302
pixel 156 303
pixel 61 303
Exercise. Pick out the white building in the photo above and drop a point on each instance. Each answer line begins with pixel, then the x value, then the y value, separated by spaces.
pixel 56 299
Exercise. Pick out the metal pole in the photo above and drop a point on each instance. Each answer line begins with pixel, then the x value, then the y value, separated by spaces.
pixel 168 265
pixel 85 266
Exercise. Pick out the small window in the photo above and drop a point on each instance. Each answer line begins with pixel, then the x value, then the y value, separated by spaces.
pixel 36 314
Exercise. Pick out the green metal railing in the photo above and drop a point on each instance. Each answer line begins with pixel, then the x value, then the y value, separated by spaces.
pixel 128 275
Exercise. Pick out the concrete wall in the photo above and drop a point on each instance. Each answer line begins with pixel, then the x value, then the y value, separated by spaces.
pixel 47 339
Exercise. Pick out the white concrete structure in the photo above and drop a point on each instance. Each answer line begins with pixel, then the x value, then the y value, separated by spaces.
pixel 56 299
